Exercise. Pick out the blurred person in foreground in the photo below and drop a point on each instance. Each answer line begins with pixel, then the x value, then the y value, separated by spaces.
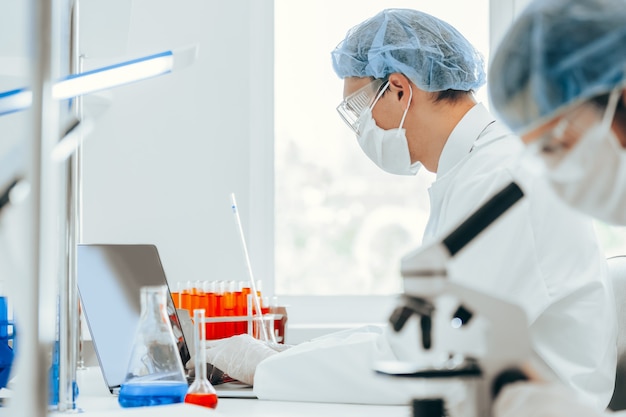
pixel 558 79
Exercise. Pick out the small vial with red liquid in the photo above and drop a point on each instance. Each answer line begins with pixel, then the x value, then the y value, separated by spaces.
pixel 200 392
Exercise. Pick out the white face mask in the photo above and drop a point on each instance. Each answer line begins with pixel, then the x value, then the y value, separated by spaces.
pixel 591 177
pixel 389 149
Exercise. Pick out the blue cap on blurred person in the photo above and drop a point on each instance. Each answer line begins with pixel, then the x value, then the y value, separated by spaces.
pixel 430 52
pixel 556 54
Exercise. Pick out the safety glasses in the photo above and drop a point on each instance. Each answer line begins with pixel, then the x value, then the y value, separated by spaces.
pixel 351 108
pixel 559 140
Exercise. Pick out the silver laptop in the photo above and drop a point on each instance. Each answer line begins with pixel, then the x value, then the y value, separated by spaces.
pixel 110 277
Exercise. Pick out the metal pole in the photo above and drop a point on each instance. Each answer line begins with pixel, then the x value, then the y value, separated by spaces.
pixel 68 312
pixel 31 394
pixel 78 155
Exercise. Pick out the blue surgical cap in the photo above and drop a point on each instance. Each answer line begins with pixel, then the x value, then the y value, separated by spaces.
pixel 430 52
pixel 557 53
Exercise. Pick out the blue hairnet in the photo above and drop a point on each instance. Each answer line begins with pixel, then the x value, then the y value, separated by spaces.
pixel 556 54
pixel 430 52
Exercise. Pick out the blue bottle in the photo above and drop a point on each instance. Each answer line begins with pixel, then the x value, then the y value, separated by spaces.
pixel 7 353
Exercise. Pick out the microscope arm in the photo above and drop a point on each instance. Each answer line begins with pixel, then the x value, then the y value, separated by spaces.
pixel 482 218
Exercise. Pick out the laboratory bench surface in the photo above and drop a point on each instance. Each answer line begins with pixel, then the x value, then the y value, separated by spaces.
pixel 96 401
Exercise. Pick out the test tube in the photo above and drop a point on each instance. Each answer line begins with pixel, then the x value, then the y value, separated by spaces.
pixel 240 309
pixel 202 296
pixel 219 309
pixel 176 296
pixel 200 392
pixel 265 322
pixel 195 297
pixel 211 310
pixel 279 323
pixel 185 297
pixel 259 289
pixel 256 330
pixel 245 291
pixel 229 307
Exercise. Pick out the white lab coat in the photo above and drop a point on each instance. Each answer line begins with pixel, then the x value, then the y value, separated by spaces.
pixel 541 255
pixel 544 400
pixel 337 368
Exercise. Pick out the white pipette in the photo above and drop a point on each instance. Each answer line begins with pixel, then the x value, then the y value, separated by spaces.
pixel 255 295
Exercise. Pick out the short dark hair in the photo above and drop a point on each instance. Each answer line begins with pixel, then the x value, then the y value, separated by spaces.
pixel 450 95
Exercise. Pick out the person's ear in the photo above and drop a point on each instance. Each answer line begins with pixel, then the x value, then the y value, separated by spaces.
pixel 400 88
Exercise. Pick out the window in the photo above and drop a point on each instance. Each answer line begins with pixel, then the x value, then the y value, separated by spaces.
pixel 341 224
pixel 612 238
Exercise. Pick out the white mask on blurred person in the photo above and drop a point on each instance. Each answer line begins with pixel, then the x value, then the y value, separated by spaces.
pixel 389 149
pixel 591 177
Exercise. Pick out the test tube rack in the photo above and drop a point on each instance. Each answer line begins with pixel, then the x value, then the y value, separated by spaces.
pixel 227 314
pixel 226 326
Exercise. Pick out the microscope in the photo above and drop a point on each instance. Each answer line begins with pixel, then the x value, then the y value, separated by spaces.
pixel 465 337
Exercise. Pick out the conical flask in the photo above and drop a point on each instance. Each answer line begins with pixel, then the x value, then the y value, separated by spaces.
pixel 200 392
pixel 155 371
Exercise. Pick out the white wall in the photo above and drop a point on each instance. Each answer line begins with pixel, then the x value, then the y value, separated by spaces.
pixel 501 14
pixel 165 156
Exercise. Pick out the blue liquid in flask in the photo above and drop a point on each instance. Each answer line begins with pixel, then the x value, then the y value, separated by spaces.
pixel 155 373
pixel 141 394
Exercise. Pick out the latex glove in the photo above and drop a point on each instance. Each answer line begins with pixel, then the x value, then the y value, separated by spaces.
pixel 523 399
pixel 214 375
pixel 238 356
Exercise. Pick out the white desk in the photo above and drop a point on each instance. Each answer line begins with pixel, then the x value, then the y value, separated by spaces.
pixel 96 401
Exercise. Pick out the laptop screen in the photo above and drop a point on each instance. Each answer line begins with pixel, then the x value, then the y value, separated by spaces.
pixel 110 278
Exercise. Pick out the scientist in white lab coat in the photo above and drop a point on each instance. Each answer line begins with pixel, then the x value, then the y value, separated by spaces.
pixel 558 78
pixel 408 95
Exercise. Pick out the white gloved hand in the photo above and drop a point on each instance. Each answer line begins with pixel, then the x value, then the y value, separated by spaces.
pixel 238 356
pixel 523 399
